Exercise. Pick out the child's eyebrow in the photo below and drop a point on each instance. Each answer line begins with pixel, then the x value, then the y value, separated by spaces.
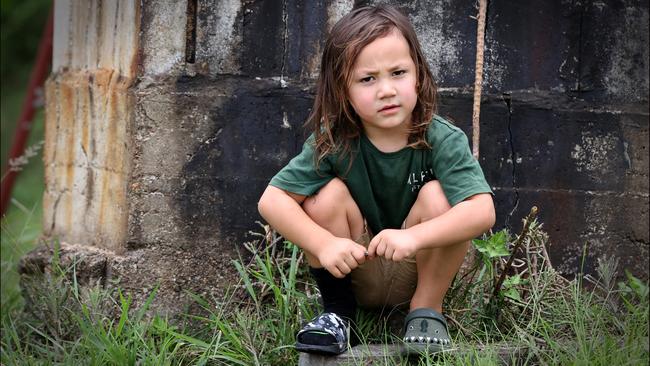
pixel 368 71
pixel 400 65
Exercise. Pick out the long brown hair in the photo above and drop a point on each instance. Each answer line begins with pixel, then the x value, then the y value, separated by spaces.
pixel 334 122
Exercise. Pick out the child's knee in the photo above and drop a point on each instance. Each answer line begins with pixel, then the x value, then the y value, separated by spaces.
pixel 433 199
pixel 327 200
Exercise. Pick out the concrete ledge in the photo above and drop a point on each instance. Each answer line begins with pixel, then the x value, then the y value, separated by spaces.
pixel 370 354
pixel 381 354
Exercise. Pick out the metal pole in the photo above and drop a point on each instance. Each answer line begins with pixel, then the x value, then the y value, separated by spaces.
pixel 39 73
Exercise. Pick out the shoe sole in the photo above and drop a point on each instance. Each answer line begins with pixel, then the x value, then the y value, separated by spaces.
pixel 317 349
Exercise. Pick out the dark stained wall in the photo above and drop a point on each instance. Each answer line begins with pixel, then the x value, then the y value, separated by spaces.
pixel 564 120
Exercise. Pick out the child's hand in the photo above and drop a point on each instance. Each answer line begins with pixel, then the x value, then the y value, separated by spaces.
pixel 392 244
pixel 342 256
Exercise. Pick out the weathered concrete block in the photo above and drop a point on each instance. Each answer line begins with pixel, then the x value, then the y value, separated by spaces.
pixel 219 36
pixel 222 158
pixel 607 225
pixel 443 34
pixel 88 263
pixel 574 164
pixel 163 37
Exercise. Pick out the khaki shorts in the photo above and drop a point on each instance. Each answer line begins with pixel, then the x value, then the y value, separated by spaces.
pixel 382 283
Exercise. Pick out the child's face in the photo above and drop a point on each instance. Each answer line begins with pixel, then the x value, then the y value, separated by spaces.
pixel 382 89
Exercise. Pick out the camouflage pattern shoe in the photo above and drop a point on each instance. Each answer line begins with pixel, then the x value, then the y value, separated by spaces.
pixel 328 333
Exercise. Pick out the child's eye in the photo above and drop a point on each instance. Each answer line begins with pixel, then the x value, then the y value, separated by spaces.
pixel 367 79
pixel 399 72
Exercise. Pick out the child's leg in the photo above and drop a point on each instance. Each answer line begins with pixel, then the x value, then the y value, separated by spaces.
pixel 436 267
pixel 334 209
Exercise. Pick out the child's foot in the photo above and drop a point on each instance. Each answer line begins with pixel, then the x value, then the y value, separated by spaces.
pixel 425 330
pixel 328 333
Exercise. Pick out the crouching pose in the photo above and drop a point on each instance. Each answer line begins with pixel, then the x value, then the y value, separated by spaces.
pixel 385 196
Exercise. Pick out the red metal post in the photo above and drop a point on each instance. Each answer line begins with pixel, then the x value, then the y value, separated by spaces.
pixel 40 71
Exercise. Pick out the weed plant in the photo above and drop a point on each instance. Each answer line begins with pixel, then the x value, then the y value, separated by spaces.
pixel 510 306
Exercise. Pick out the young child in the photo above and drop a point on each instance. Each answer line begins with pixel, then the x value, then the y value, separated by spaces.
pixel 385 196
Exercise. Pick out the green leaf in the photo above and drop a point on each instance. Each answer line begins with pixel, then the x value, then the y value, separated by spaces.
pixel 289 245
pixel 247 281
pixel 639 287
pixel 512 281
pixel 125 303
pixel 512 293
pixel 494 246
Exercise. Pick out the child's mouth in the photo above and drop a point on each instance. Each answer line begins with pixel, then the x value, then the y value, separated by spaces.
pixel 389 108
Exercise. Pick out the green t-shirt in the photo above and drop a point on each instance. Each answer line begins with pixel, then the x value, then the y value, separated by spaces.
pixel 385 185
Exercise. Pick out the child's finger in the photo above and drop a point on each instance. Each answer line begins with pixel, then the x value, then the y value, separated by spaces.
pixel 335 272
pixel 343 268
pixel 351 261
pixel 360 253
pixel 397 256
pixel 381 248
pixel 372 246
pixel 389 253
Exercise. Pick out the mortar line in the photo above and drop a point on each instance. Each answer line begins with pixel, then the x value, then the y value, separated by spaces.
pixel 582 13
pixel 508 102
pixel 285 36
pixel 597 193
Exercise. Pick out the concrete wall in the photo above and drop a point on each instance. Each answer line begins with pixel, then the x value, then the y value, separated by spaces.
pixel 192 106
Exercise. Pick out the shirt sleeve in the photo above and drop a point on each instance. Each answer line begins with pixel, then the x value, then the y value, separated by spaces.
pixel 459 174
pixel 300 175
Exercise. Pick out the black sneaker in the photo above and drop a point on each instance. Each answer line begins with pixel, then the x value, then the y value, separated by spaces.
pixel 328 333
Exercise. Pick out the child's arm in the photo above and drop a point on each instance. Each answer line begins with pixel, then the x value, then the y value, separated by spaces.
pixel 467 220
pixel 283 211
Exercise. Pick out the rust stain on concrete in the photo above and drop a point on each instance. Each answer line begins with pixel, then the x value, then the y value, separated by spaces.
pixel 87 157
pixel 67 121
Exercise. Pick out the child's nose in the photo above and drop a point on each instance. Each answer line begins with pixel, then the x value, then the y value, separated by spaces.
pixel 386 89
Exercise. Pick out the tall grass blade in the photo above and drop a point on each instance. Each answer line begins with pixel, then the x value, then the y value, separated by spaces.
pixel 125 303
pixel 143 309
